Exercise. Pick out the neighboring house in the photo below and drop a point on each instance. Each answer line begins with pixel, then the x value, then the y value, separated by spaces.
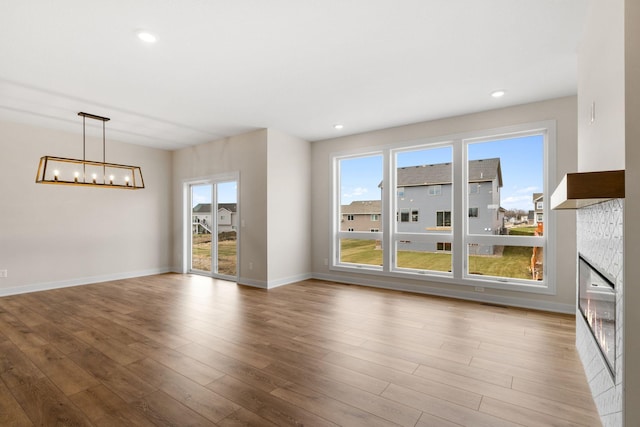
pixel 538 208
pixel 425 202
pixel 362 215
pixel 531 218
pixel 227 217
pixel 201 218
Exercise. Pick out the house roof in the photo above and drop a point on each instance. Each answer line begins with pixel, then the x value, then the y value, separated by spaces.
pixel 362 207
pixel 231 207
pixel 537 197
pixel 479 171
pixel 202 208
pixel 206 207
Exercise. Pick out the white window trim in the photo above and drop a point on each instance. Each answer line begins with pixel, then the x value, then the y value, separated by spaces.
pixel 460 202
pixel 434 190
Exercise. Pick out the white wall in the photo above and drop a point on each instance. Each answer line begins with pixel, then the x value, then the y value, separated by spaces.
pixel 274 202
pixel 289 208
pixel 246 154
pixel 562 110
pixel 54 235
pixel 601 81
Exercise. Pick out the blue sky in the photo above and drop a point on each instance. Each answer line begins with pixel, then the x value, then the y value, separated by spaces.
pixel 521 160
pixel 227 193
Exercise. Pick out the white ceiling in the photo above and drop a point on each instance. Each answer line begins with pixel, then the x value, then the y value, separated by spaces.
pixel 220 68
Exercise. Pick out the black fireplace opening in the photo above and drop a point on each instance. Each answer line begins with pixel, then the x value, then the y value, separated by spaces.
pixel 597 303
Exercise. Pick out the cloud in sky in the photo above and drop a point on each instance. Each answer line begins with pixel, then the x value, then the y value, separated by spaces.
pixel 356 192
pixel 531 190
pixel 523 202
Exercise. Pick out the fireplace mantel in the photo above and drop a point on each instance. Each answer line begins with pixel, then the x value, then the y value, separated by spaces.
pixel 581 189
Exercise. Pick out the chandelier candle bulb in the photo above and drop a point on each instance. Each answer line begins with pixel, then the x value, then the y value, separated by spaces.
pixel 94 176
pixel 110 179
pixel 126 179
pixel 55 174
pixel 75 176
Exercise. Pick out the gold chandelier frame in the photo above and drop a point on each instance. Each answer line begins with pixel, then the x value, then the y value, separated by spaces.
pixel 64 171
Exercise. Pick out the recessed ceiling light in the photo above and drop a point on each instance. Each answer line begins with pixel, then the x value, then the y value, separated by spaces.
pixel 146 36
pixel 498 93
pixel 338 126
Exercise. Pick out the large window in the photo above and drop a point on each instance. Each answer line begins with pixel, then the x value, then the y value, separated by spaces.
pixel 473 232
pixel 495 246
pixel 359 200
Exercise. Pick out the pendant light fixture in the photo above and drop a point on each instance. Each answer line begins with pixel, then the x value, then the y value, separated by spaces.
pixel 59 170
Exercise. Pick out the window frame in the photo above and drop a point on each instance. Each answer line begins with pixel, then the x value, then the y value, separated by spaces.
pixel 403 212
pixel 446 247
pixel 443 223
pixel 389 236
pixel 434 190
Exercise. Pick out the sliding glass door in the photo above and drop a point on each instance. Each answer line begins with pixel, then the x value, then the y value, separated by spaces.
pixel 226 249
pixel 213 226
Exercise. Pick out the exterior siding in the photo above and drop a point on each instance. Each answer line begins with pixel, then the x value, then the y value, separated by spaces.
pixel 360 222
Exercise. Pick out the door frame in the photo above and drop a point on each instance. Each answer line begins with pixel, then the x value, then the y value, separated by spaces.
pixel 187 218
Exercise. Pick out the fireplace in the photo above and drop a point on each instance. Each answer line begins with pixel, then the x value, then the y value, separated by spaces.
pixel 597 303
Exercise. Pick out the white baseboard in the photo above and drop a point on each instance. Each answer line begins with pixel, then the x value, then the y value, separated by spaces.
pixel 386 284
pixel 288 280
pixel 464 295
pixel 270 284
pixel 37 287
pixel 253 283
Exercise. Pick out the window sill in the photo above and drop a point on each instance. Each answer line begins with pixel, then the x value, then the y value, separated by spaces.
pixel 446 278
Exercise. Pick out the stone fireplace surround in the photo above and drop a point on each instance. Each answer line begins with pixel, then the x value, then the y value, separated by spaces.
pixel 600 239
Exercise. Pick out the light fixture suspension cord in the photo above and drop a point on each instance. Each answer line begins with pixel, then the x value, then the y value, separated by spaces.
pixel 104 151
pixel 84 150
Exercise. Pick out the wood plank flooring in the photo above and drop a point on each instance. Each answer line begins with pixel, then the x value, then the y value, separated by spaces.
pixel 183 350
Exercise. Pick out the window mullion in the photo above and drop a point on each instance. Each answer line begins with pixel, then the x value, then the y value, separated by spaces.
pixel 459 208
pixel 387 208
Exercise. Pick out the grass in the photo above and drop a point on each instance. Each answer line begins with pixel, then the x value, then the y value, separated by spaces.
pixel 522 231
pixel 513 263
pixel 201 254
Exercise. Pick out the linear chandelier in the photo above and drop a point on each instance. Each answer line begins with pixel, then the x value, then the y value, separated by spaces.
pixel 63 171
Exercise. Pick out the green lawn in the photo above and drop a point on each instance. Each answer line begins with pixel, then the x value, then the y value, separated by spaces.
pixel 522 231
pixel 514 261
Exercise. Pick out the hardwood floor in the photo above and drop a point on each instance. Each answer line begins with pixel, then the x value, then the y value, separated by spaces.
pixel 186 350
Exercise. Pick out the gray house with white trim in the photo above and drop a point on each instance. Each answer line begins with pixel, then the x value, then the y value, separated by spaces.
pixel 425 201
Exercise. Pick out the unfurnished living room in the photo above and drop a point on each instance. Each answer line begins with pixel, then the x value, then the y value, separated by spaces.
pixel 362 213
